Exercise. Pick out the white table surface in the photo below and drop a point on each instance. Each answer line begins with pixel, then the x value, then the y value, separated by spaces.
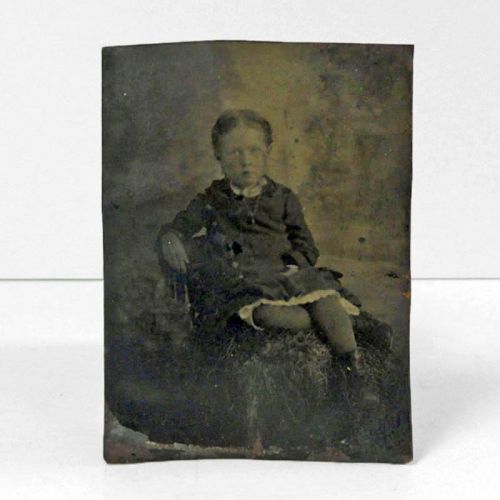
pixel 51 410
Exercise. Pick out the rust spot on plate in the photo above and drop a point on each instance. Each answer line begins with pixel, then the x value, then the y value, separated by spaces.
pixel 257 448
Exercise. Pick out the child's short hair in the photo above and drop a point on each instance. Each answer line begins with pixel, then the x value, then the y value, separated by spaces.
pixel 230 118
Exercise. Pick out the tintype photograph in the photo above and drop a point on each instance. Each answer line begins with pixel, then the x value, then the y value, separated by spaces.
pixel 256 217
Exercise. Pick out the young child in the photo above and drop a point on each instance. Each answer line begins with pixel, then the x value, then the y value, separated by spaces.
pixel 257 258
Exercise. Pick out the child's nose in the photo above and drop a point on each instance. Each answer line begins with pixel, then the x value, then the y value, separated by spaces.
pixel 244 159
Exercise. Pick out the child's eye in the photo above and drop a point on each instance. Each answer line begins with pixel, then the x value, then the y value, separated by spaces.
pixel 238 152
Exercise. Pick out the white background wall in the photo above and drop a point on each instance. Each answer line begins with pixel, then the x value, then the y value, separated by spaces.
pixel 50 227
pixel 50 115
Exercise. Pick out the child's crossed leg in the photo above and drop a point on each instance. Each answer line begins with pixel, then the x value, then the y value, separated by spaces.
pixel 327 315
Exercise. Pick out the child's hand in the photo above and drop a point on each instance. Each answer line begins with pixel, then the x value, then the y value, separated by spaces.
pixel 174 252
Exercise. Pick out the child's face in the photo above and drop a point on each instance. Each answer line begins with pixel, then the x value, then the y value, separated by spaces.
pixel 243 155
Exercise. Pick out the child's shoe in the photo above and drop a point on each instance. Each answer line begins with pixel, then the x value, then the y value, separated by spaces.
pixel 372 332
pixel 361 383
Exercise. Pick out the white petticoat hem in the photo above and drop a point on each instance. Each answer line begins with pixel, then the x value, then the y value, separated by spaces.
pixel 246 312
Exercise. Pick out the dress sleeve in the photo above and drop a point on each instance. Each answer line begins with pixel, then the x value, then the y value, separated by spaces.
pixel 304 252
pixel 188 221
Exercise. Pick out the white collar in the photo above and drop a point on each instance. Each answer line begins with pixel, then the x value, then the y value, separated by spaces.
pixel 251 191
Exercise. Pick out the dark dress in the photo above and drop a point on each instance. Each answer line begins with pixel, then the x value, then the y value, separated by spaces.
pixel 247 246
